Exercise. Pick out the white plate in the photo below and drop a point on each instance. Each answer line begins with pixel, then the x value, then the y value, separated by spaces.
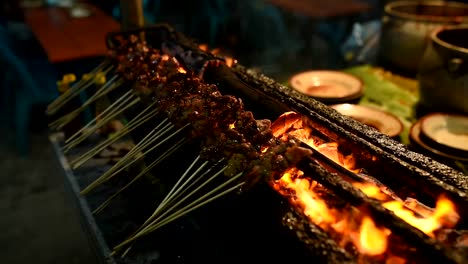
pixel 80 11
pixel 447 130
pixel 384 122
pixel 327 85
pixel 415 137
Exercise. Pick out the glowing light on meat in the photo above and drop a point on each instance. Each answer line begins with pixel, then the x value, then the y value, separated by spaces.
pixel 181 70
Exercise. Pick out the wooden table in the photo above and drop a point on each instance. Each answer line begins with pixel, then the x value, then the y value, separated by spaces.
pixel 65 38
pixel 322 8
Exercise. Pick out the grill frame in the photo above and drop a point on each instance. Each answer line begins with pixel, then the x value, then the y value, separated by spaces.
pixel 275 98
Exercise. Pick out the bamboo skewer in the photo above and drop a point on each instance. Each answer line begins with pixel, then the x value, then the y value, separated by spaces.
pixel 174 189
pixel 121 164
pixel 75 90
pixel 191 207
pixel 166 154
pixel 109 109
pixel 108 87
pixel 135 123
pixel 188 196
pixel 75 87
pixel 187 209
pixel 160 218
pixel 155 213
pixel 106 119
pixel 198 179
pixel 125 163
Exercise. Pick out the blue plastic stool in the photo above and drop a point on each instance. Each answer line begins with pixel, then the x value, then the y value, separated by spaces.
pixel 21 89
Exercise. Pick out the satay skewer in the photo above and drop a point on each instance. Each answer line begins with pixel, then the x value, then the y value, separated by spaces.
pixel 153 164
pixel 77 88
pixel 117 168
pixel 108 87
pixel 117 104
pixel 136 122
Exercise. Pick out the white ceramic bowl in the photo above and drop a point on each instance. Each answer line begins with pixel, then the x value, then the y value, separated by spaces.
pixel 382 121
pixel 447 130
pixel 328 86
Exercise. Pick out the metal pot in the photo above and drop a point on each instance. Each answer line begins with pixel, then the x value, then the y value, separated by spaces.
pixel 406 27
pixel 443 74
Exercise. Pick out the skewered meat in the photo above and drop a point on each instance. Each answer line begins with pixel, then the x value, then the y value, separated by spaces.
pixel 225 128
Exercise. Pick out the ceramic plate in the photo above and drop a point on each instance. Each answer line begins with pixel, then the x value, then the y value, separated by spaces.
pixel 384 122
pixel 415 137
pixel 447 131
pixel 80 11
pixel 327 85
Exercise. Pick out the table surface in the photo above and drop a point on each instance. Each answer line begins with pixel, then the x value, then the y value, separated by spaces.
pixel 322 9
pixel 65 38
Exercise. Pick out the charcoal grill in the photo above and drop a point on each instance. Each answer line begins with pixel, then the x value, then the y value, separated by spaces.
pixel 271 229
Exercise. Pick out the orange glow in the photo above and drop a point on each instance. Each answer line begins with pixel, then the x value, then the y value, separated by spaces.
pixel 230 61
pixel 365 235
pixel 231 126
pixel 371 190
pixel 181 70
pixel 203 47
pixel 443 216
pixel 165 57
pixel 372 240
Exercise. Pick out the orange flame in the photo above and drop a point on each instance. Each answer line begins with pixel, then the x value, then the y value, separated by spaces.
pixel 369 239
pixel 203 47
pixel 372 239
pixel 230 61
pixel 181 70
pixel 443 216
pixel 365 235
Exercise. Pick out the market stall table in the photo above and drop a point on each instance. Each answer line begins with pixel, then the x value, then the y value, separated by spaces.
pixel 65 38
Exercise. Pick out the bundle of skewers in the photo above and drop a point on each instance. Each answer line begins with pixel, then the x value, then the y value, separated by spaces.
pixel 178 107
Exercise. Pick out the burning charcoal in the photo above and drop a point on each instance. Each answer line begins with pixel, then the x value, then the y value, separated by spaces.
pixel 316 239
pixel 419 207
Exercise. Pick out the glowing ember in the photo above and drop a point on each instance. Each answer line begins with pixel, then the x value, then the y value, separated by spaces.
pixel 443 216
pixel 372 240
pixel 203 47
pixel 216 51
pixel 181 70
pixel 371 191
pixel 230 61
pixel 368 238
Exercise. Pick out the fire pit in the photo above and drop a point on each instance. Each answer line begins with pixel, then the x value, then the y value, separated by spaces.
pixel 310 183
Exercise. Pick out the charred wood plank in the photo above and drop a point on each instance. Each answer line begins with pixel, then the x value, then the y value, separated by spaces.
pixel 269 86
pixel 397 164
pixel 316 239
